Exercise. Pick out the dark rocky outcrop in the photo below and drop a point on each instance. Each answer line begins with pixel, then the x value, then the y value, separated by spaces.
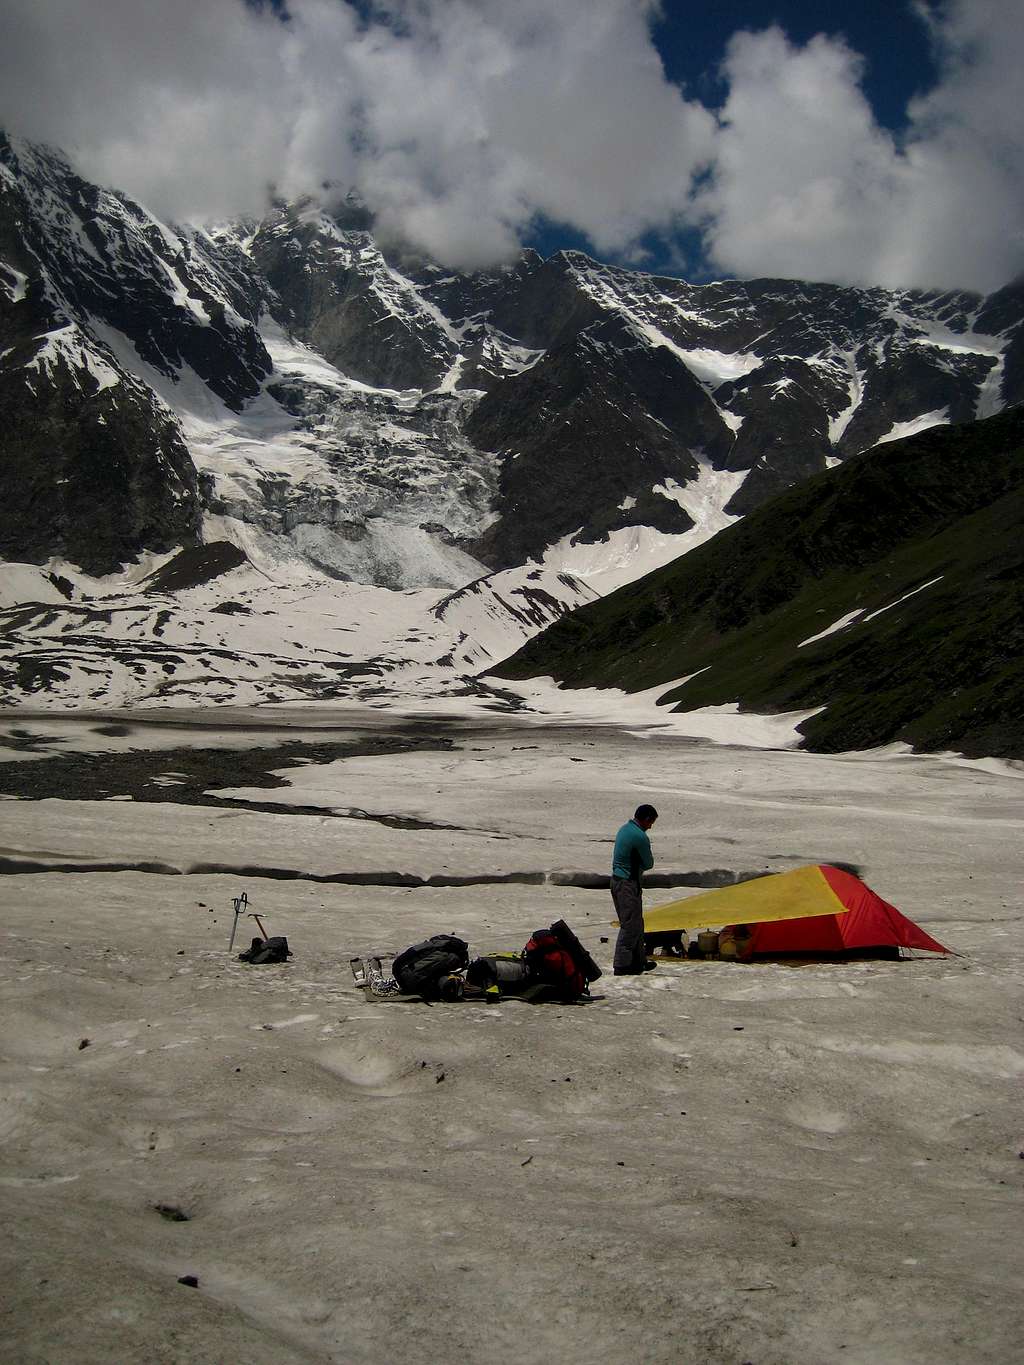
pixel 335 290
pixel 193 567
pixel 91 475
pixel 588 434
pixel 179 296
pixel 94 466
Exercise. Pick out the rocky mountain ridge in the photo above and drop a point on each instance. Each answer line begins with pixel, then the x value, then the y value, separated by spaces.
pixel 317 383
pixel 344 413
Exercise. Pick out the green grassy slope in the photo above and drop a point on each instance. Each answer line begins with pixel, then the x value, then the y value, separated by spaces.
pixel 942 670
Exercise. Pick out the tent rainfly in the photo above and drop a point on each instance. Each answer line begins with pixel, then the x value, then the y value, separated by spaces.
pixel 810 910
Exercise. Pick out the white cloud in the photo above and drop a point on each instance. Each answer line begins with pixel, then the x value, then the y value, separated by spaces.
pixel 807 185
pixel 463 121
pixel 459 120
pixel 179 104
pixel 801 170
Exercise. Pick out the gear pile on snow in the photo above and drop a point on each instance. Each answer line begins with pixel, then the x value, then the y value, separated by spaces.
pixel 553 964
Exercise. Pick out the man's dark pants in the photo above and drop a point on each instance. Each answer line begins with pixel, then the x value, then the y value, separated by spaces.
pixel 629 946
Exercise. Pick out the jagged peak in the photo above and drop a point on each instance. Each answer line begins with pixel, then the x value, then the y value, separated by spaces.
pixel 573 260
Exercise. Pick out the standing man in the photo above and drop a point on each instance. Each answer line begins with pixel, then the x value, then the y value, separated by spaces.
pixel 631 859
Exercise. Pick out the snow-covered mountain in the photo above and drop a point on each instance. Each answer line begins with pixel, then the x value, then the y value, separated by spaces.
pixel 362 426
pixel 207 628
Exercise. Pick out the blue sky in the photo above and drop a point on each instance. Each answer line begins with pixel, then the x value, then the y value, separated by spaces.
pixel 871 142
pixel 899 59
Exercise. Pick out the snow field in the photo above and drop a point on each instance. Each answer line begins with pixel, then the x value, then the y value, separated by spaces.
pixel 788 1165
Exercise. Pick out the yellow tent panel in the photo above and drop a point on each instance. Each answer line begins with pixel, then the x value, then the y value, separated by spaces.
pixel 785 895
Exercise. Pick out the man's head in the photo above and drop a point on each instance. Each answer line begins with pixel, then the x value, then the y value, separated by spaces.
pixel 645 816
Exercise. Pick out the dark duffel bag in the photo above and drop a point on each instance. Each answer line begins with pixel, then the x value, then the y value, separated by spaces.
pixel 263 950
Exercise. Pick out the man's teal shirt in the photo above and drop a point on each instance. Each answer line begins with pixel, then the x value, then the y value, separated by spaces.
pixel 632 856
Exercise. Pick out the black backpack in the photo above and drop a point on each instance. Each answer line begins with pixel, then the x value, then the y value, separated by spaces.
pixel 263 950
pixel 591 971
pixel 419 969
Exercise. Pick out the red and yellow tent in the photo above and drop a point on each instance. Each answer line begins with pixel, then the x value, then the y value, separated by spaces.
pixel 817 909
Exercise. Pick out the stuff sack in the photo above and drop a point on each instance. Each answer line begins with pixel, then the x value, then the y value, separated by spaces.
pixel 419 969
pixel 500 974
pixel 263 950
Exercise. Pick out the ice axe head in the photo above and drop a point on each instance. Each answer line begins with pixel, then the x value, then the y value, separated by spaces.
pixel 239 903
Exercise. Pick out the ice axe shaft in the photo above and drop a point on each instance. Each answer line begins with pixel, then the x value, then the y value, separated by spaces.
pixel 253 915
pixel 239 902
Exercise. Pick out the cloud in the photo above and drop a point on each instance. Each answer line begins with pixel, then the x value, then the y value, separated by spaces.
pixel 800 168
pixel 460 121
pixel 179 104
pixel 465 122
pixel 562 111
pixel 806 184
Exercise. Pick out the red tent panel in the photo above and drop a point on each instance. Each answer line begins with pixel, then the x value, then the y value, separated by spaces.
pixel 869 922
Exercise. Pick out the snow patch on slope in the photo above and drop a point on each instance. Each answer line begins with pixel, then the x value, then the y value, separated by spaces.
pixel 246 640
pixel 899 430
pixel 712 368
pixel 834 628
pixel 858 614
pixel 641 714
pixel 931 332
pixel 837 425
pixel 631 552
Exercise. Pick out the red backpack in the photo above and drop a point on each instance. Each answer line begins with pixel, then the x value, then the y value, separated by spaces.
pixel 551 963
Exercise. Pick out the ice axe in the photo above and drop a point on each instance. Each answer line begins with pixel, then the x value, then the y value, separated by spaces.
pixel 253 915
pixel 240 903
